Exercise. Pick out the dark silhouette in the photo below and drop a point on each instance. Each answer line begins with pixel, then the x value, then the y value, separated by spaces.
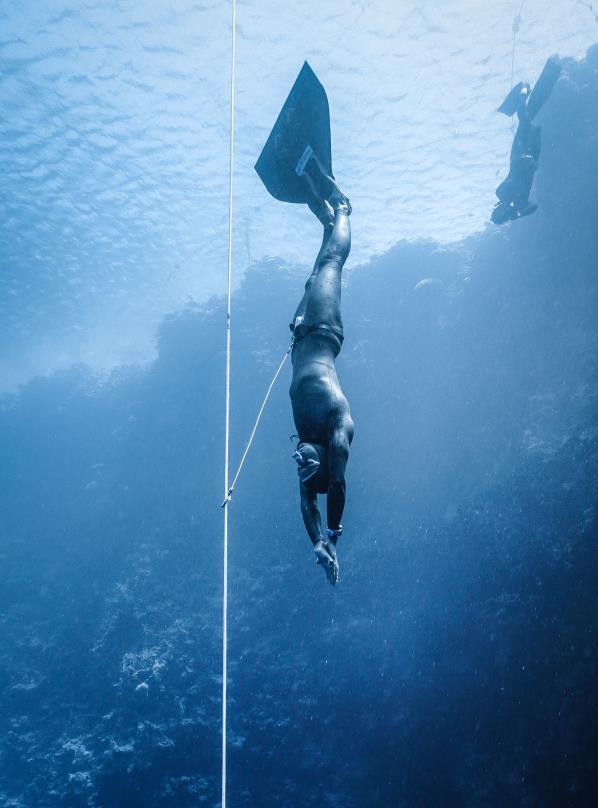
pixel 513 193
pixel 295 165
pixel 320 409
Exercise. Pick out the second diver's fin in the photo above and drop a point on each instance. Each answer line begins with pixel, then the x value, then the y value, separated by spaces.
pixel 511 103
pixel 303 125
pixel 544 86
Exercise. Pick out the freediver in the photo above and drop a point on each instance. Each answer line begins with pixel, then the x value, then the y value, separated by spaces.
pixel 513 193
pixel 320 409
pixel 295 166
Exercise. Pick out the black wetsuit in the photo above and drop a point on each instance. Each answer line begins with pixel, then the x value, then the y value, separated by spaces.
pixel 320 409
pixel 525 153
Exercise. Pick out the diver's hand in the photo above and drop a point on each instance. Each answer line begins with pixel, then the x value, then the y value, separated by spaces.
pixel 326 557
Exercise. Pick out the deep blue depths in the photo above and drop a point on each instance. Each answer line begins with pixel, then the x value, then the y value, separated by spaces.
pixel 455 664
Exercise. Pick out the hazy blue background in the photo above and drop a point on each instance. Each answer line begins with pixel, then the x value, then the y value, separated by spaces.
pixel 455 664
pixel 114 147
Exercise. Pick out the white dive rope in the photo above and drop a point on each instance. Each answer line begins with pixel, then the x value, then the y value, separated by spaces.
pixel 230 490
pixel 227 406
pixel 517 20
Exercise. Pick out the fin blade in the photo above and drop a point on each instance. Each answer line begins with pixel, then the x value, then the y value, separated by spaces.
pixel 544 86
pixel 509 105
pixel 303 121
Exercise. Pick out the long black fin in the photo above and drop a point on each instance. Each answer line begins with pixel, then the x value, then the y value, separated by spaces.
pixel 544 86
pixel 304 121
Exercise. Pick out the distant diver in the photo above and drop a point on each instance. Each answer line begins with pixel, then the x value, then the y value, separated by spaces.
pixel 513 193
pixel 296 166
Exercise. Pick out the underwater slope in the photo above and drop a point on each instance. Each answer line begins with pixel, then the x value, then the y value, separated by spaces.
pixel 456 662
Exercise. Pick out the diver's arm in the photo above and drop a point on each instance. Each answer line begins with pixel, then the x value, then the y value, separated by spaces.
pixel 310 512
pixel 340 441
pixel 335 503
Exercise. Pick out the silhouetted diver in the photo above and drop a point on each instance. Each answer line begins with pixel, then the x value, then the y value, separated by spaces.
pixel 320 409
pixel 296 166
pixel 513 193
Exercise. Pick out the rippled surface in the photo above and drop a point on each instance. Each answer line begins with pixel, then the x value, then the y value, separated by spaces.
pixel 114 148
pixel 455 664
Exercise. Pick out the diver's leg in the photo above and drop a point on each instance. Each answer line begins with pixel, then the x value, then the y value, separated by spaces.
pixel 338 245
pixel 522 135
pixel 504 190
pixel 323 302
pixel 300 311
pixel 326 236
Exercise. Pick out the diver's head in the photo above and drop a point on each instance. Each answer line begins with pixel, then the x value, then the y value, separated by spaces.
pixel 309 457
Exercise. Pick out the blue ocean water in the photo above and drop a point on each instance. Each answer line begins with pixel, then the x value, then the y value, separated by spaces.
pixel 455 663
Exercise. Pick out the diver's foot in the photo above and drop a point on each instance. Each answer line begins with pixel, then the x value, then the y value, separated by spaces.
pixel 325 188
pixel 339 202
pixel 327 560
pixel 322 211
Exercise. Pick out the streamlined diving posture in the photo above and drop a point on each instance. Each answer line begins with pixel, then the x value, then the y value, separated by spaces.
pixel 320 408
pixel 513 193
pixel 296 166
